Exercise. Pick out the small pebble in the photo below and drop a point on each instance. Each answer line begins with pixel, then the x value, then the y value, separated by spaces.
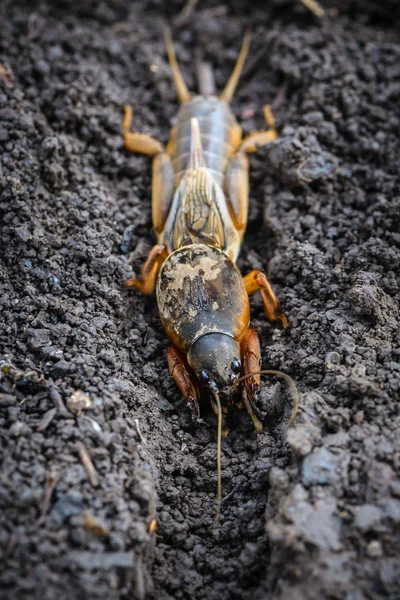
pixel 374 549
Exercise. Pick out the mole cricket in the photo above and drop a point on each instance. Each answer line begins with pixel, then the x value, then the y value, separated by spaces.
pixel 200 196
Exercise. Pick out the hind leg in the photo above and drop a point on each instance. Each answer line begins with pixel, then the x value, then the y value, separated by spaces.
pixel 139 142
pixel 256 139
pixel 163 172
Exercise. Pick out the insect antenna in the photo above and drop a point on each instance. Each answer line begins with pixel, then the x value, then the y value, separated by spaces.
pixel 288 380
pixel 219 439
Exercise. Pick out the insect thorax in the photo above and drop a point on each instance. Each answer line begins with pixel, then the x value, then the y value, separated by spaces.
pixel 200 291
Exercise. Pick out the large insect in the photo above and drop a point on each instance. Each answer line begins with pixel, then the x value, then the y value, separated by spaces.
pixel 199 208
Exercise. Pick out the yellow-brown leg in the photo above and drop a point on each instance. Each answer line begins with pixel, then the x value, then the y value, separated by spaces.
pixel 139 142
pixel 147 282
pixel 179 371
pixel 256 139
pixel 256 280
pixel 251 353
pixel 163 172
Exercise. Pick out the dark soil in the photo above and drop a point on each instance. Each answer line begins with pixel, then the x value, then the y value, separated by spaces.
pixel 95 439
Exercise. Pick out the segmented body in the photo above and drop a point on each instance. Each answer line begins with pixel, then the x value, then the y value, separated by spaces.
pixel 219 130
pixel 200 210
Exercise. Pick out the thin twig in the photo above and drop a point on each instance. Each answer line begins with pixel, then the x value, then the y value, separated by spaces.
pixel 47 419
pixel 141 437
pixel 299 173
pixel 55 396
pixel 88 464
pixel 10 545
pixel 314 7
pixel 183 17
pixel 48 493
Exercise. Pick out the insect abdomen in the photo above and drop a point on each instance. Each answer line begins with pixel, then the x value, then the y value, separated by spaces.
pixel 219 130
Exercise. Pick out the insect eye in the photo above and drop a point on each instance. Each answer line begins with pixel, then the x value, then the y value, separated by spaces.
pixel 235 366
pixel 204 376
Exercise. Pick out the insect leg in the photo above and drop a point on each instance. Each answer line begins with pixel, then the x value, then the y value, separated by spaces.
pixel 139 142
pixel 251 353
pixel 147 281
pixel 256 280
pixel 254 140
pixel 180 372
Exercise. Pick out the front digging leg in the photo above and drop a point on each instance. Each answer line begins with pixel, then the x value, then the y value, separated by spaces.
pixel 251 355
pixel 183 379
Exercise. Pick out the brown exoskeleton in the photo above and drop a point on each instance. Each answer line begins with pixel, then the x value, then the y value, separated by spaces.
pixel 199 209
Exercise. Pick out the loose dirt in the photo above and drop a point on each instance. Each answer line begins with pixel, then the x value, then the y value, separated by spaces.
pixel 96 442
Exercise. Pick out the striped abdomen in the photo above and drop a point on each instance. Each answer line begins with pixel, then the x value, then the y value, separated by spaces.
pixel 220 135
